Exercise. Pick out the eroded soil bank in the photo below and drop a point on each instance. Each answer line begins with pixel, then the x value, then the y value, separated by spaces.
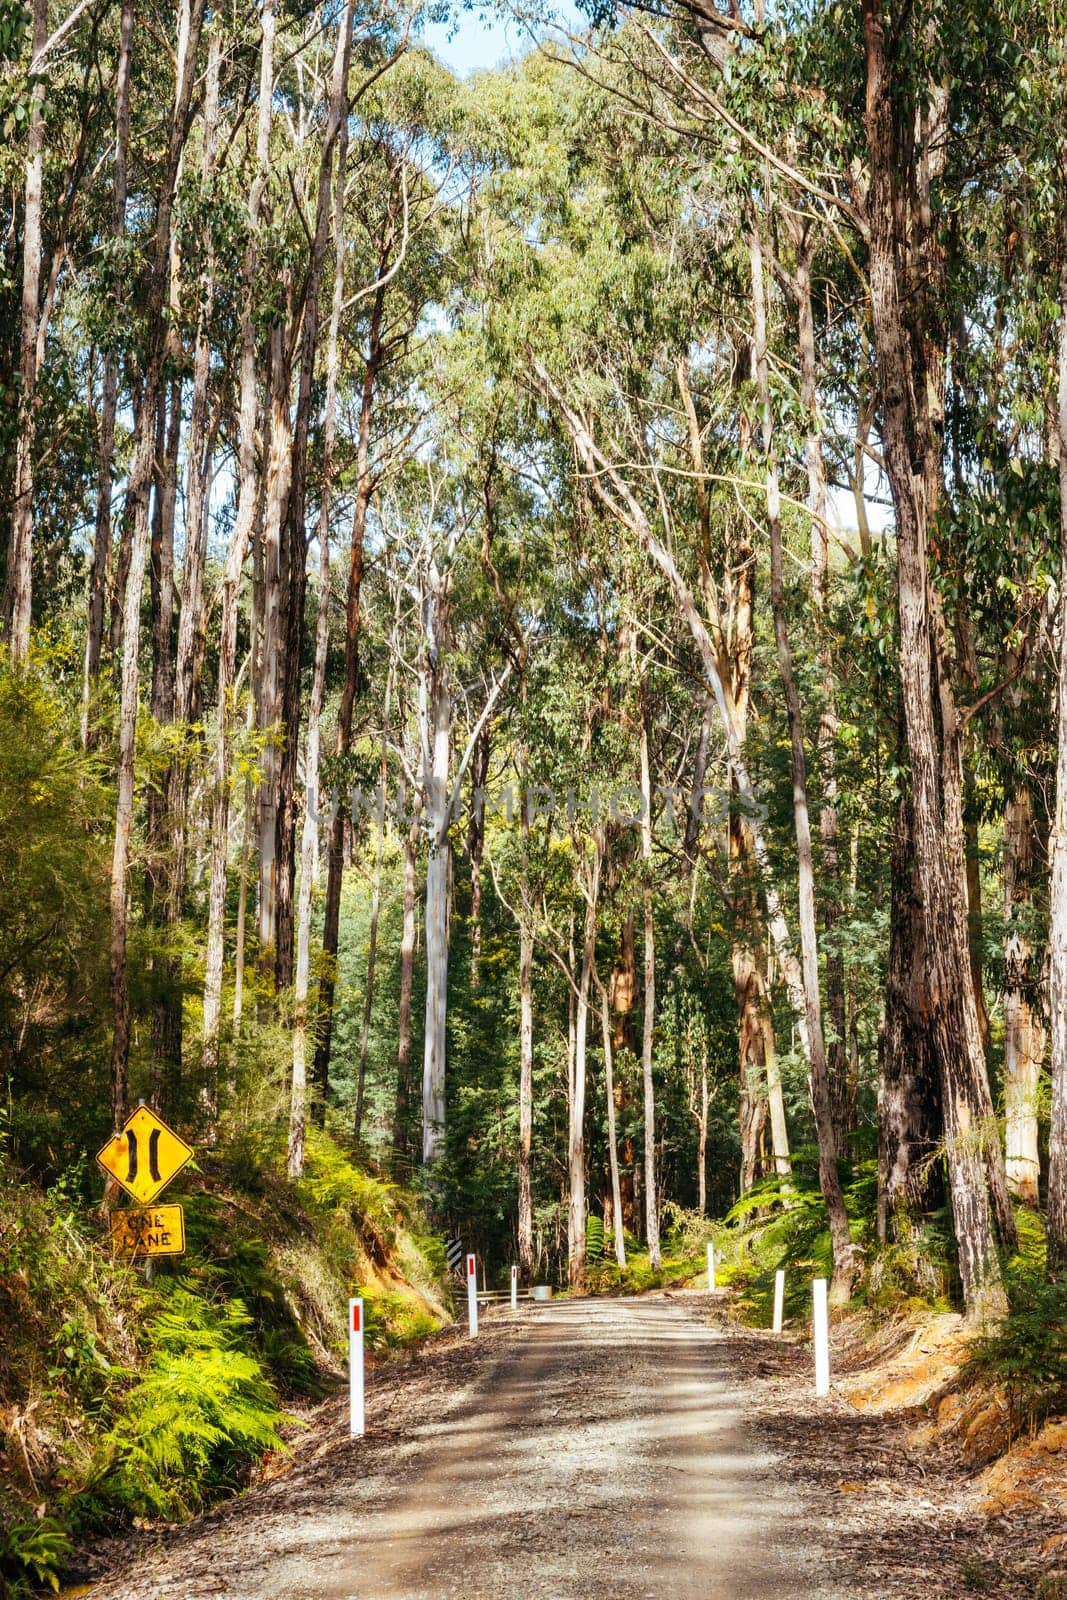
pixel 600 1449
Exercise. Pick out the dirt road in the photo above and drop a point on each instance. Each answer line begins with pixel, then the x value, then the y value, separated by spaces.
pixel 599 1450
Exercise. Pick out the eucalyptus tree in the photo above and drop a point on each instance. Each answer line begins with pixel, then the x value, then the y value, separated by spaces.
pixel 903 242
pixel 138 491
pixel 400 230
pixel 244 522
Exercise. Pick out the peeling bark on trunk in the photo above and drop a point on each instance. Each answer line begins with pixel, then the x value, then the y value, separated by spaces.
pixel 909 369
pixel 910 1123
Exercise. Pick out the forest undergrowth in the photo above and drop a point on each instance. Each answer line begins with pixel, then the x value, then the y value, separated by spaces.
pixel 901 1346
pixel 132 1402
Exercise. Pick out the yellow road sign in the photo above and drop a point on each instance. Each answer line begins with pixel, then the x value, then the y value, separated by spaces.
pixel 145 1156
pixel 150 1231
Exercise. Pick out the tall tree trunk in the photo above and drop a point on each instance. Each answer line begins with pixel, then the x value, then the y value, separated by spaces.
pixel 648 1036
pixel 164 506
pixel 699 1100
pixel 437 719
pixel 909 1098
pixel 375 912
pixel 247 497
pixel 476 847
pixel 165 834
pixel 623 990
pixel 526 955
pixel 191 620
pixel 614 493
pixel 1056 1213
pixel 137 496
pixel 298 1093
pixel 240 932
pixel 911 432
pixel 188 657
pixel 175 690
pixel 752 1064
pixel 613 1147
pixel 1024 1029
pixel 98 573
pixel 331 918
pixel 401 1143
pixel 577 1208
pixel 295 541
pixel 775 1096
pixel 270 677
pixel 310 832
pixel 844 1269
pixel 754 1061
pixel 841 1085
pixel 18 587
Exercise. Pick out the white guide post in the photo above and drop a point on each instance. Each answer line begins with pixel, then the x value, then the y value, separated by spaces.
pixel 355 1367
pixel 711 1266
pixel 514 1288
pixel 779 1299
pixel 472 1295
pixel 822 1338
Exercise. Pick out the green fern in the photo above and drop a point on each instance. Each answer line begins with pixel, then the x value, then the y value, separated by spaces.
pixel 31 1554
pixel 201 1412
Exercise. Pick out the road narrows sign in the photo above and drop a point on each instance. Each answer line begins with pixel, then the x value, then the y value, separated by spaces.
pixel 145 1156
pixel 148 1231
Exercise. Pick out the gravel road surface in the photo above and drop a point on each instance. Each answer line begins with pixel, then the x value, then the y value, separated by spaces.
pixel 592 1450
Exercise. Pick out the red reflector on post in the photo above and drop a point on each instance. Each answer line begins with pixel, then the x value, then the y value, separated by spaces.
pixel 357 1317
pixel 471 1266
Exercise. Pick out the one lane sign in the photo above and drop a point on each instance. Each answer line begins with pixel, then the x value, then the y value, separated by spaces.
pixel 148 1231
